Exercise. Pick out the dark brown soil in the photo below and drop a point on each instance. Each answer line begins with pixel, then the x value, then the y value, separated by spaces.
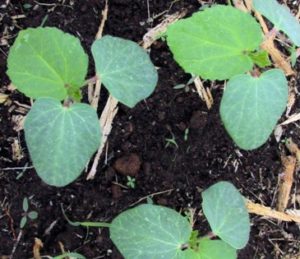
pixel 136 147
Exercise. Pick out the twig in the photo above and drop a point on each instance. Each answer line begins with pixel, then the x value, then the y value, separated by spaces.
pixel 151 36
pixel 293 118
pixel 150 195
pixel 204 94
pixel 16 244
pixel 270 213
pixel 106 119
pixel 293 148
pixel 286 181
pixel 94 99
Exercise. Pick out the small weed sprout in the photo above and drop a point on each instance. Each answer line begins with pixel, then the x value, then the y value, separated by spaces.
pixel 171 141
pixel 27 214
pixel 131 182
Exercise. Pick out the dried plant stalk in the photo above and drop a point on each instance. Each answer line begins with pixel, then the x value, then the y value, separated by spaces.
pixel 264 211
pixel 286 181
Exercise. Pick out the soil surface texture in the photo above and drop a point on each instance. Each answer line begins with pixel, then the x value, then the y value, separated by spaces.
pixel 138 145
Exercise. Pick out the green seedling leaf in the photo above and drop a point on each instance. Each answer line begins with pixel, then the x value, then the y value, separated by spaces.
pixel 23 222
pixel 215 43
pixel 251 107
pixel 281 17
pixel 33 215
pixel 211 249
pixel 293 57
pixel 125 69
pixel 224 207
pixel 61 140
pixel 25 204
pixel 70 256
pixel 46 62
pixel 150 231
pixel 261 58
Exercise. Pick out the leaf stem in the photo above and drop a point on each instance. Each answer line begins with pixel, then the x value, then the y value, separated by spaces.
pixel 91 80
pixel 210 235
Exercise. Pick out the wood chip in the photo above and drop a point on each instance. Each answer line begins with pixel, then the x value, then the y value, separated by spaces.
pixel 3 98
pixel 38 245
pixel 17 150
pixel 286 181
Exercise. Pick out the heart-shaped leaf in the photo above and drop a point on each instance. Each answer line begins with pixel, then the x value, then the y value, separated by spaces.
pixel 211 249
pixel 213 43
pixel 251 107
pixel 61 140
pixel 150 231
pixel 224 207
pixel 281 17
pixel 125 69
pixel 46 62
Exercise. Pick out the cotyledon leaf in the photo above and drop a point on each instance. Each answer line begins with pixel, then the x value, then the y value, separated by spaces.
pixel 150 231
pixel 125 69
pixel 46 62
pixel 281 17
pixel 61 140
pixel 225 209
pixel 213 43
pixel 251 107
pixel 211 249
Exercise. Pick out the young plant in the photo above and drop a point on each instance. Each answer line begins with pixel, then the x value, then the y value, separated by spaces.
pixel 221 43
pixel 50 66
pixel 149 231
pixel 27 214
pixel 131 182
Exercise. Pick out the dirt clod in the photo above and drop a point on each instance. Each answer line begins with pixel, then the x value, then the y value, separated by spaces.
pixel 198 120
pixel 128 165
pixel 116 191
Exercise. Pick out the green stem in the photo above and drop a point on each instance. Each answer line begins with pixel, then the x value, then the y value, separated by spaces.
pixel 85 223
pixel 95 224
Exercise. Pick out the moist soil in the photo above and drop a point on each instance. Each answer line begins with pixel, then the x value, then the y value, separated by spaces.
pixel 138 145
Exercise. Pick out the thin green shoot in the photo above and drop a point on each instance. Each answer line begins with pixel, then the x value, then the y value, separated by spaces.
pixel 171 141
pixel 84 223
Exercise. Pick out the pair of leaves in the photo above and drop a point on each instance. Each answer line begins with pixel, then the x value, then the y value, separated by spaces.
pixel 151 231
pixel 46 62
pixel 222 44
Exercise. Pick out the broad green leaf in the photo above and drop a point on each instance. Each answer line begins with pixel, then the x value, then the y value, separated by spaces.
pixel 150 231
pixel 211 249
pixel 46 62
pixel 251 107
pixel 125 69
pixel 61 140
pixel 261 58
pixel 224 207
pixel 281 17
pixel 213 43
